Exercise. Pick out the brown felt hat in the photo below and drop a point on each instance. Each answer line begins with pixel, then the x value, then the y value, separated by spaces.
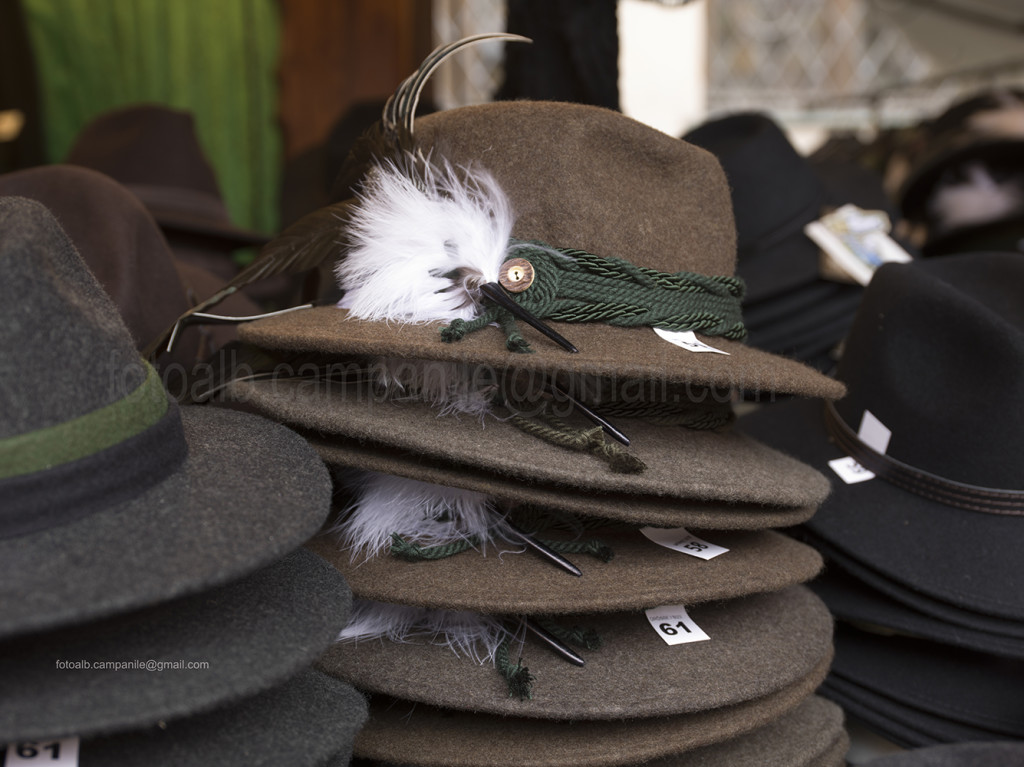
pixel 624 507
pixel 784 635
pixel 400 733
pixel 681 463
pixel 641 574
pixel 592 180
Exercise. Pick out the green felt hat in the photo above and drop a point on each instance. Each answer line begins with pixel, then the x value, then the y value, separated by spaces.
pixel 401 733
pixel 681 464
pixel 640 574
pixel 588 180
pixel 758 645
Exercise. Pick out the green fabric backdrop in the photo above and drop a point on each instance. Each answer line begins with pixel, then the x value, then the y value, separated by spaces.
pixel 216 58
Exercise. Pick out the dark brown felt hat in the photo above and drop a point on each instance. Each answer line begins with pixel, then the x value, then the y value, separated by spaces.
pixel 681 463
pixel 590 179
pixel 623 507
pixel 641 574
pixel 400 733
pixel 784 635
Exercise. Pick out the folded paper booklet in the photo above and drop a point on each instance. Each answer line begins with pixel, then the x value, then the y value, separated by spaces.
pixel 854 242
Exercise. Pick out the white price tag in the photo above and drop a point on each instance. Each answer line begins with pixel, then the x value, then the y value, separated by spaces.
pixel 687 340
pixel 36 753
pixel 873 433
pixel 674 625
pixel 850 471
pixel 679 539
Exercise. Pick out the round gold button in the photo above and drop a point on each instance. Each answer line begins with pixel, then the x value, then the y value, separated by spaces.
pixel 516 275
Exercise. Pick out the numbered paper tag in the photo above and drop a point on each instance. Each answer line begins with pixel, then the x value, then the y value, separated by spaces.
pixel 687 340
pixel 854 243
pixel 679 539
pixel 674 625
pixel 873 433
pixel 850 471
pixel 51 753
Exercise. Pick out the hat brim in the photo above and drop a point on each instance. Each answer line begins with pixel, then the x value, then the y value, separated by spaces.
pixel 956 617
pixel 956 755
pixel 249 492
pixel 231 235
pixel 896 533
pixel 304 722
pixel 751 653
pixel 681 463
pixel 604 350
pixel 854 601
pixel 251 635
pixel 623 507
pixel 398 732
pixel 964 686
pixel 642 574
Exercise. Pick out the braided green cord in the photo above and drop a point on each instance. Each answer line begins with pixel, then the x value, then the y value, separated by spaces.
pixel 413 552
pixel 582 440
pixel 591 546
pixel 578 636
pixel 517 676
pixel 671 414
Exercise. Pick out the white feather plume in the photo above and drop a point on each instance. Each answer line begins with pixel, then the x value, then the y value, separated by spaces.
pixel 427 514
pixel 418 250
pixel 977 198
pixel 464 633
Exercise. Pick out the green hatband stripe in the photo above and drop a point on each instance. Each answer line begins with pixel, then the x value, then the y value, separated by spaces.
pixel 87 434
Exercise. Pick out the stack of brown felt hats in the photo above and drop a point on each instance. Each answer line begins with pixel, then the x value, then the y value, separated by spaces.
pixel 156 606
pixel 491 532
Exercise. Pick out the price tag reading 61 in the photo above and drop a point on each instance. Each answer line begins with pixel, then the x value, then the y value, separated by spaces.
pixel 52 753
pixel 674 625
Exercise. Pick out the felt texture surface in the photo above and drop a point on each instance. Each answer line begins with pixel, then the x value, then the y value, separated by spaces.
pixel 964 686
pixel 934 354
pixel 249 491
pixel 642 574
pixel 681 463
pixel 811 735
pixel 956 617
pixel 253 633
pixel 624 507
pixel 854 601
pixel 903 725
pixel 992 754
pixel 305 721
pixel 398 732
pixel 757 646
pixel 604 351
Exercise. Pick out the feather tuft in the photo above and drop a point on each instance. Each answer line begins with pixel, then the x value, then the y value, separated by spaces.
pixel 427 514
pixel 465 633
pixel 975 197
pixel 420 247
pixel 448 387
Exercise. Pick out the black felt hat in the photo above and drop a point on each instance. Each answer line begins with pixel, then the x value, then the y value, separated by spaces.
pixel 775 192
pixel 934 356
pixel 174 659
pixel 986 754
pixel 309 721
pixel 154 150
pixel 100 467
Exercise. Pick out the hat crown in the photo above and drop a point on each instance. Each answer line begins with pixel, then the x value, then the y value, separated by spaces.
pixel 592 179
pixel 936 353
pixel 146 144
pixel 68 352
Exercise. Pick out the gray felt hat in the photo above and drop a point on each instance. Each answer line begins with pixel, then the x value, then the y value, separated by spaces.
pixel 309 721
pixel 97 465
pixel 249 635
pixel 681 463
pixel 640 574
pixel 784 635
pixel 399 732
